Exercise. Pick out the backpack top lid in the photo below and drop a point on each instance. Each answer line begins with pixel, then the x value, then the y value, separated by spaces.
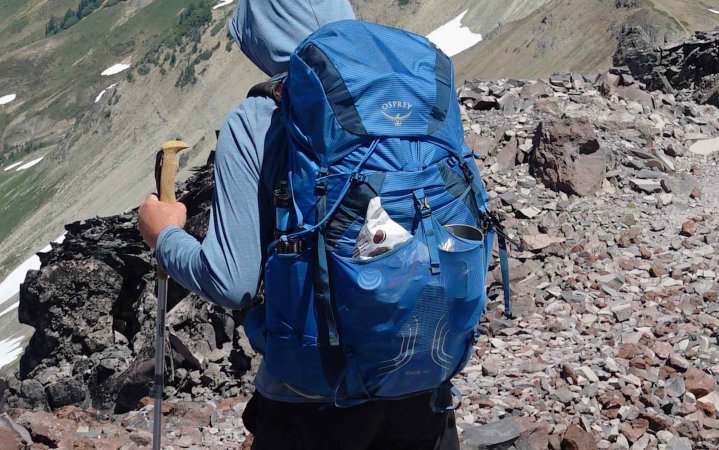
pixel 351 80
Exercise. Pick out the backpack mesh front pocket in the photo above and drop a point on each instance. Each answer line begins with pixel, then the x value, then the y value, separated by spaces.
pixel 404 329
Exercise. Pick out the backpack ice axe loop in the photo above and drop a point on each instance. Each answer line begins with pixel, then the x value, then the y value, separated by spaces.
pixel 166 165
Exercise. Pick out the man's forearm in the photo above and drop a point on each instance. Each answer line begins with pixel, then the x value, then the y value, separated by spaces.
pixel 184 259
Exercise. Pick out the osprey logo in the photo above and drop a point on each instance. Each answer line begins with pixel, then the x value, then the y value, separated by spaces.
pixel 390 111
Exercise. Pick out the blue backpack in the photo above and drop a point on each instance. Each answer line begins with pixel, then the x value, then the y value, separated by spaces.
pixel 372 111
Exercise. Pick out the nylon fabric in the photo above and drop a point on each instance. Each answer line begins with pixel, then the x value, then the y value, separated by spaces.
pixel 371 61
pixel 371 111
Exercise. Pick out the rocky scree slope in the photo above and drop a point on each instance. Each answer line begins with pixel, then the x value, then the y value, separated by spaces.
pixel 612 189
pixel 689 69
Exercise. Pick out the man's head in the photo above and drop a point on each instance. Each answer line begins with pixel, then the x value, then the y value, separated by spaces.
pixel 268 31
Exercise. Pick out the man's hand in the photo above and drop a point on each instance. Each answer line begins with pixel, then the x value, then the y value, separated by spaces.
pixel 154 216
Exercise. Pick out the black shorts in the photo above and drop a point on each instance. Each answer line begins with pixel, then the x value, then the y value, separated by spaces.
pixel 408 424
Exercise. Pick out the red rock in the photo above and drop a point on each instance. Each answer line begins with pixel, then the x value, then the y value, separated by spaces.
pixel 628 351
pixel 699 383
pixel 645 252
pixel 98 444
pixel 696 193
pixel 656 422
pixel 634 429
pixel 555 442
pixel 167 408
pixel 611 400
pixel 534 435
pixel 12 435
pixel 484 403
pixel 577 439
pixel 665 372
pixel 547 106
pixel 508 155
pixel 47 428
pixel 689 228
pixel 10 440
pixel 480 146
pixel 569 374
pixel 708 408
pixel 629 220
pixel 662 349
pixel 141 437
pixel 567 156
pixel 657 270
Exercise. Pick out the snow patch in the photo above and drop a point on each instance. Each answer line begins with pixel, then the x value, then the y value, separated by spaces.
pixel 27 165
pixel 12 166
pixel 714 11
pixel 5 99
pixel 10 350
pixel 99 96
pixel 11 285
pixel 117 68
pixel 453 38
pixel 223 3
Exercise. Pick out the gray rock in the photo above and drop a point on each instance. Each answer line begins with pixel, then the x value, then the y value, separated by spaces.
pixel 675 387
pixel 646 186
pixel 67 391
pixel 705 147
pixel 564 395
pixel 492 436
pixel 677 444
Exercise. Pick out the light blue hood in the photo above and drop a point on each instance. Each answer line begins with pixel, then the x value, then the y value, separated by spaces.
pixel 268 31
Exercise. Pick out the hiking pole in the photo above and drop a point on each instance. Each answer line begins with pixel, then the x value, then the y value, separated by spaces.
pixel 166 165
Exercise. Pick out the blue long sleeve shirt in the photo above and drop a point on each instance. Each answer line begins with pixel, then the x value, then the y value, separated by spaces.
pixel 249 162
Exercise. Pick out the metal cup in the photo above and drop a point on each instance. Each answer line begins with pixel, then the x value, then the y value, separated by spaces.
pixel 466 232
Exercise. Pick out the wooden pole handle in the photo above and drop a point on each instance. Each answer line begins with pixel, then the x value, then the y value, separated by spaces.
pixel 168 171
pixel 165 172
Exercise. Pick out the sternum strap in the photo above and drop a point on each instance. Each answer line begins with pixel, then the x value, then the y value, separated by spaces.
pixel 430 235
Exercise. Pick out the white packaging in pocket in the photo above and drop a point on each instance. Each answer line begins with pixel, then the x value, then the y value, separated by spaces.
pixel 379 234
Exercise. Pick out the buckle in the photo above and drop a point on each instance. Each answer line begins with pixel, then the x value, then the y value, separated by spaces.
pixel 321 186
pixel 423 207
pixel 467 172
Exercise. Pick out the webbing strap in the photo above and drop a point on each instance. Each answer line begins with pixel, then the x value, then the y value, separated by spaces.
pixel 425 212
pixel 504 264
pixel 322 278
pixel 473 181
pixel 307 229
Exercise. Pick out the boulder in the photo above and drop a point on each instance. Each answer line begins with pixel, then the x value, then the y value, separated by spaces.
pixel 567 156
pixel 52 431
pixel 67 391
pixel 691 64
pixel 93 307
